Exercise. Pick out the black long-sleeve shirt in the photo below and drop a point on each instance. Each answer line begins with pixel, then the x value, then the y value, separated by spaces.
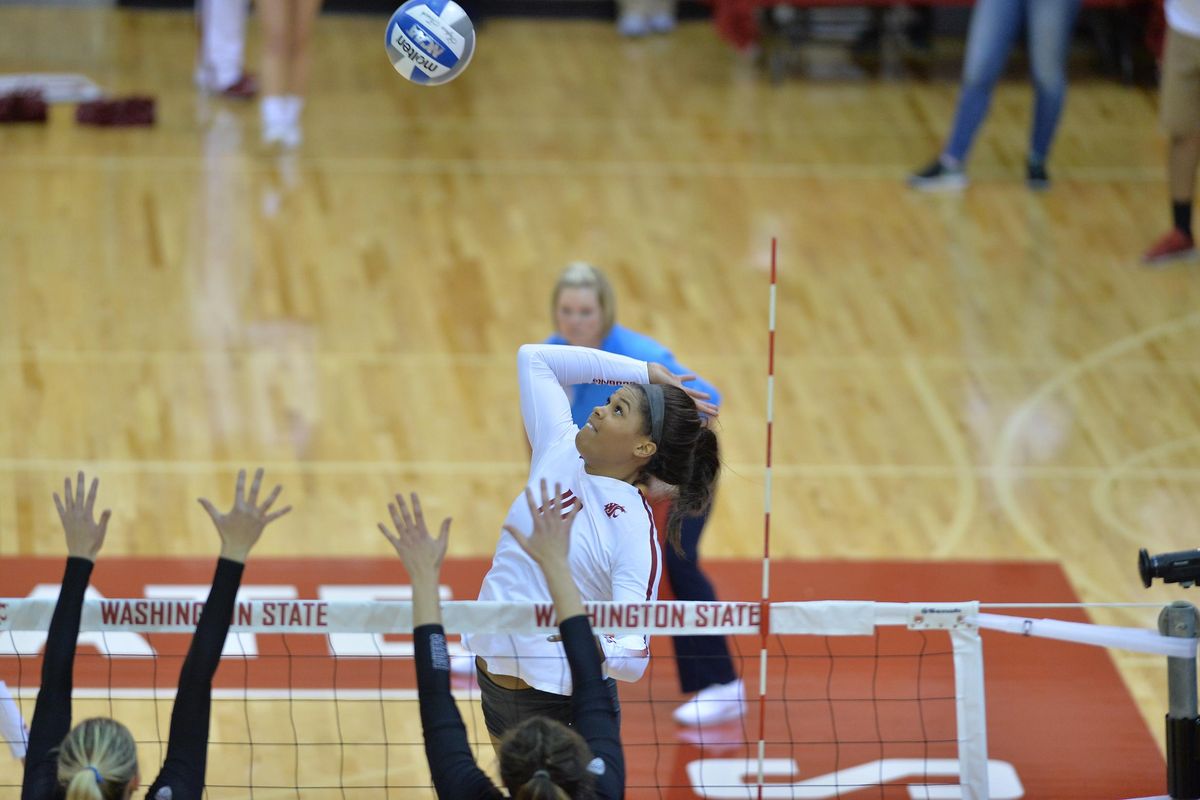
pixel 183 770
pixel 456 776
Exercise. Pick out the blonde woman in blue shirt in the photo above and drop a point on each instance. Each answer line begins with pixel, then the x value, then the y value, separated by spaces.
pixel 583 308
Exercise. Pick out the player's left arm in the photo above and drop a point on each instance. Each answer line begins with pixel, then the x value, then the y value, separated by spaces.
pixel 185 766
pixel 636 571
pixel 52 712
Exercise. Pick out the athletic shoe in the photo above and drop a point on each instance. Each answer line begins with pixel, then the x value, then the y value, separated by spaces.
pixel 633 25
pixel 292 136
pixel 713 704
pixel 662 22
pixel 244 88
pixel 1174 245
pixel 1036 177
pixel 939 177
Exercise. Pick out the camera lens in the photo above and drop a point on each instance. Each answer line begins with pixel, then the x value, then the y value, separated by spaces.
pixel 1146 567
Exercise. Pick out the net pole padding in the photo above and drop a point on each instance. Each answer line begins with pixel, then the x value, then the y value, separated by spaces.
pixel 1178 620
pixel 971 712
pixel 1134 639
pixel 961 622
pixel 765 611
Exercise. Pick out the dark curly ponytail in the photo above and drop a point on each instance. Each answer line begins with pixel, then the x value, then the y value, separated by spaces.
pixel 687 456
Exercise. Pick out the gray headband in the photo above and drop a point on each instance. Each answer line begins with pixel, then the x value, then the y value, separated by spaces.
pixel 658 409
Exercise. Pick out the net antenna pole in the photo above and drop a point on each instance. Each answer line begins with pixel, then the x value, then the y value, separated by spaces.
pixel 765 609
pixel 1183 723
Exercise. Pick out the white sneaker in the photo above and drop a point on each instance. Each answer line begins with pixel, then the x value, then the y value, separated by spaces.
pixel 718 703
pixel 633 25
pixel 662 22
pixel 292 136
pixel 273 133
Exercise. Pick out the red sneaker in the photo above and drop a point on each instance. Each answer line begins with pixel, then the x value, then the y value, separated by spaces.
pixel 244 88
pixel 1172 246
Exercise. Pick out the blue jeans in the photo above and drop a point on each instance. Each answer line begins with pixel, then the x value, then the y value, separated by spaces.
pixel 995 25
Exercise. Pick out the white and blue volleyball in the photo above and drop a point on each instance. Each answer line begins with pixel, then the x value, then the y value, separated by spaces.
pixel 430 41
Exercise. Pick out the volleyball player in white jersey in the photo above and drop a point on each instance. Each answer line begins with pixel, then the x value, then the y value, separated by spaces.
pixel 649 431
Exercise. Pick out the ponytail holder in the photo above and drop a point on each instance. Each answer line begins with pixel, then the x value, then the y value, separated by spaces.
pixel 541 773
pixel 654 396
pixel 96 772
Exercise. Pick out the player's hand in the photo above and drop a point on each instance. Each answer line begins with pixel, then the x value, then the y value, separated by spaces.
pixel 550 540
pixel 84 536
pixel 664 377
pixel 241 528
pixel 421 553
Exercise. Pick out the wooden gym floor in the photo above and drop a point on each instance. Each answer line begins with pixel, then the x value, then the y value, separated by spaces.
pixel 988 376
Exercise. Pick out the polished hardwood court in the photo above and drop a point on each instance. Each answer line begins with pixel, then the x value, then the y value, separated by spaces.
pixel 984 376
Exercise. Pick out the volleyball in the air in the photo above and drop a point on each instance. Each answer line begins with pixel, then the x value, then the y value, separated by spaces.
pixel 430 41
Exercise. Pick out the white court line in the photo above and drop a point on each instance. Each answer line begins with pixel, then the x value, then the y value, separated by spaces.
pixel 744 470
pixel 824 363
pixel 943 423
pixel 537 167
pixel 1003 461
pixel 1102 493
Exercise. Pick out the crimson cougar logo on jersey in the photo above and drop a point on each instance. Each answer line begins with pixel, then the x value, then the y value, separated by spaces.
pixel 565 501
pixel 612 509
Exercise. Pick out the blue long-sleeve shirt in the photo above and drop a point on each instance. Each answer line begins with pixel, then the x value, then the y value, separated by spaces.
pixel 625 342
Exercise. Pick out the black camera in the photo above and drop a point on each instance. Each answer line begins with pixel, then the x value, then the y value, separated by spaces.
pixel 1182 567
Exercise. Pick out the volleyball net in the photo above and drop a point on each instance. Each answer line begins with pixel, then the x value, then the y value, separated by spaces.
pixel 316 698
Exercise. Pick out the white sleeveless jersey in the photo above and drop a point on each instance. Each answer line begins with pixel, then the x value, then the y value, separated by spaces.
pixel 614 546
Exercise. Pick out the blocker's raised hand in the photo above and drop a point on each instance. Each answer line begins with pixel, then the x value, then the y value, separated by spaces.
pixel 84 535
pixel 242 526
pixel 550 540
pixel 421 553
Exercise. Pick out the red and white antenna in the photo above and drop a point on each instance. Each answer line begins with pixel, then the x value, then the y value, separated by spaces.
pixel 765 609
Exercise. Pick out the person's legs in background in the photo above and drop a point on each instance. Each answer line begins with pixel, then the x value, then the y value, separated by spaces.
pixel 275 49
pixel 220 62
pixel 300 64
pixel 1180 99
pixel 633 17
pixel 705 666
pixel 994 27
pixel 287 32
pixel 661 16
pixel 1050 25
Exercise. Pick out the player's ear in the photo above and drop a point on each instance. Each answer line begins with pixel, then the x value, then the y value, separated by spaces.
pixel 645 448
